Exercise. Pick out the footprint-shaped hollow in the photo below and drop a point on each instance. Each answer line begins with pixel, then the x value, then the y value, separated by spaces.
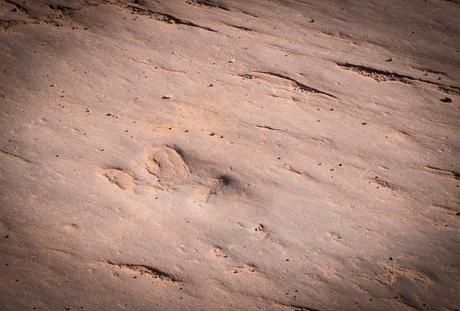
pixel 167 164
pixel 122 179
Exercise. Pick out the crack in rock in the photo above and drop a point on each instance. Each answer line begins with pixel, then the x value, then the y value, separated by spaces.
pixel 162 17
pixel 443 172
pixel 208 4
pixel 146 270
pixel 384 75
pixel 269 128
pixel 14 156
pixel 297 85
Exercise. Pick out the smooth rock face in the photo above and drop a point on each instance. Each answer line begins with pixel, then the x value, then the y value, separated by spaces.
pixel 229 155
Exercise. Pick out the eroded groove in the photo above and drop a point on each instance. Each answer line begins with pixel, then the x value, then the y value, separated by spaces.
pixel 446 209
pixel 293 170
pixel 283 49
pixel 249 14
pixel 269 128
pixel 19 7
pixel 146 270
pixel 208 3
pixel 339 35
pixel 295 307
pixel 428 70
pixel 163 17
pixel 298 85
pixel 242 28
pixel 156 66
pixel 444 172
pixel 449 89
pixel 384 75
pixel 8 24
pixel 14 156
pixel 376 74
pixel 384 183
pixel 247 76
pixel 64 10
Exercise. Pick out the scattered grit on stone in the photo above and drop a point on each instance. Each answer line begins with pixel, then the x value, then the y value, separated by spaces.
pixel 229 155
